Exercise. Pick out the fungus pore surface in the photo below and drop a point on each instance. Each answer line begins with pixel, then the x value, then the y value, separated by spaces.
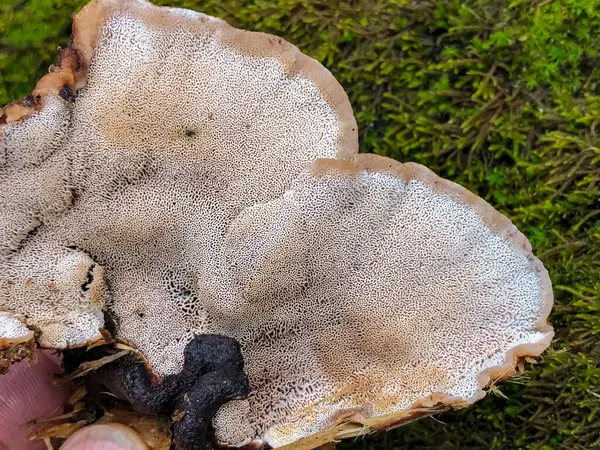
pixel 191 178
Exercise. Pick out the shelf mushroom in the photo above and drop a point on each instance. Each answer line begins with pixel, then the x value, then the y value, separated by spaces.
pixel 185 186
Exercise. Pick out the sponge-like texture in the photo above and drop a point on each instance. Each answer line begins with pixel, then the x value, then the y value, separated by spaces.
pixel 205 180
pixel 368 287
pixel 183 122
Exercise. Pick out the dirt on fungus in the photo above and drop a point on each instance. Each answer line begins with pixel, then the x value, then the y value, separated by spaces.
pixel 15 353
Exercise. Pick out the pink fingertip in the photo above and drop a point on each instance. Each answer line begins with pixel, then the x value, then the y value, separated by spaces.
pixel 27 394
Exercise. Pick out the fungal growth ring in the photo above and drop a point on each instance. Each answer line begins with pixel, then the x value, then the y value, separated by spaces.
pixel 201 186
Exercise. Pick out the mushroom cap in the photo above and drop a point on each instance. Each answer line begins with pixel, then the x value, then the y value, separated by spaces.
pixel 192 178
pixel 369 294
pixel 180 122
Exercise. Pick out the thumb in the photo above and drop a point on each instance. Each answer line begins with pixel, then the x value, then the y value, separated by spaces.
pixel 105 437
pixel 27 394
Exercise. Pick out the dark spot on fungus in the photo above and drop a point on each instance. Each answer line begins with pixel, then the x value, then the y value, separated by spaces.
pixel 190 133
pixel 28 101
pixel 89 279
pixel 66 92
pixel 212 374
pixel 109 323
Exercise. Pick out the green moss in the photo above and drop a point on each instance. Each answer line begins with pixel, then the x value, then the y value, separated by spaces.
pixel 500 96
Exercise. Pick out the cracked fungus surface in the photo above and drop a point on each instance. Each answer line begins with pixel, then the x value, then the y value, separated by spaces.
pixel 184 190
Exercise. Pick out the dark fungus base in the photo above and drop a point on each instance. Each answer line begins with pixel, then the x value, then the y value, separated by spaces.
pixel 212 375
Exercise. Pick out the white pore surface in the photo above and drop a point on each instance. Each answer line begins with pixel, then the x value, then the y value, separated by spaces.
pixel 135 184
pixel 11 328
pixel 180 192
pixel 372 290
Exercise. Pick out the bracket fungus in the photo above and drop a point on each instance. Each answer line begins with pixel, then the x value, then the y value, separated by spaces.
pixel 189 180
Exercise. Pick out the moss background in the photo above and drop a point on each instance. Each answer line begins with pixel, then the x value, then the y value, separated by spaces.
pixel 500 96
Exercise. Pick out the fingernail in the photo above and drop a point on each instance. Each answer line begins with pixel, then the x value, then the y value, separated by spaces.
pixel 112 436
